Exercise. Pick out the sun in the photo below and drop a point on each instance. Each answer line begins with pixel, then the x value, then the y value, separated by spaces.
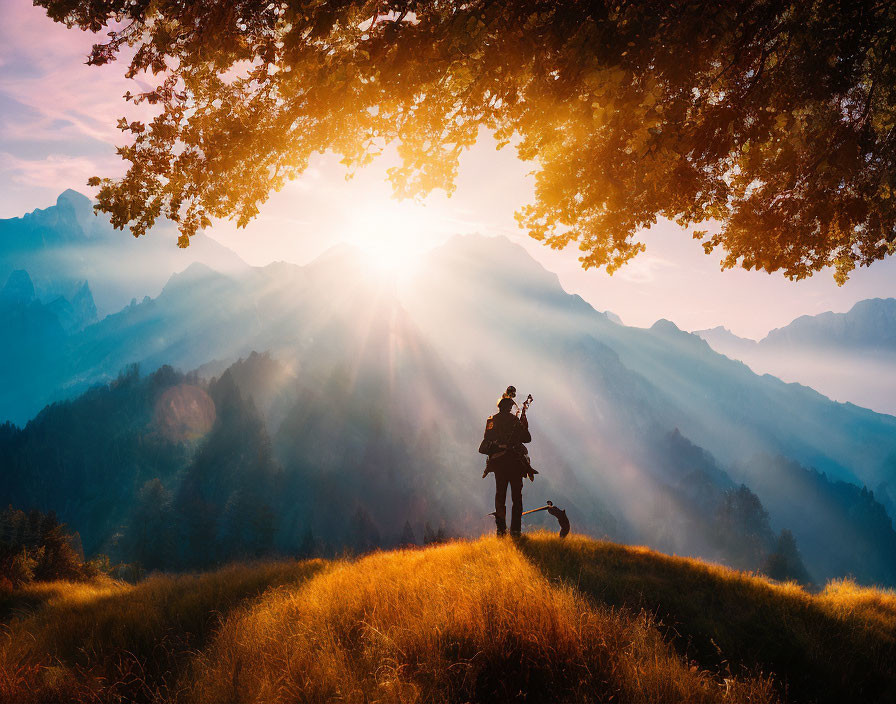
pixel 393 235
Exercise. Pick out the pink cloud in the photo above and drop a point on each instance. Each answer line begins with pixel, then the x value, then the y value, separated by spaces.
pixel 54 171
pixel 45 70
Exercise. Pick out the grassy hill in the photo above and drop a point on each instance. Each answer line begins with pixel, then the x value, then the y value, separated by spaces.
pixel 487 620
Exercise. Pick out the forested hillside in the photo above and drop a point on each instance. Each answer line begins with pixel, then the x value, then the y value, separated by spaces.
pixel 170 471
pixel 332 408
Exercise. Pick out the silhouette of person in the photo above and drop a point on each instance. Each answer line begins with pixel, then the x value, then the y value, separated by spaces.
pixel 503 443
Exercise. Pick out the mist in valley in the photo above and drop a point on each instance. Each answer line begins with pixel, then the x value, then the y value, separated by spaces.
pixel 310 410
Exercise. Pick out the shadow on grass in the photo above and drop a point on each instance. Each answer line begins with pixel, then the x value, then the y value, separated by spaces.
pixel 118 642
pixel 824 648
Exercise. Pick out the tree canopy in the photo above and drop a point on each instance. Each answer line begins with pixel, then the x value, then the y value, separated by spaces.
pixel 769 124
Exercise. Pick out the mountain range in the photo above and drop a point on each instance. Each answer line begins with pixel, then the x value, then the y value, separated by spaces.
pixel 66 244
pixel 330 401
pixel 847 356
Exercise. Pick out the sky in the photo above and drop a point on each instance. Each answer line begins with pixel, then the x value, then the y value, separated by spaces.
pixel 57 128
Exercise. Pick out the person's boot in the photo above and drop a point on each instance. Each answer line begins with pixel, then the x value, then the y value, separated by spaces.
pixel 500 524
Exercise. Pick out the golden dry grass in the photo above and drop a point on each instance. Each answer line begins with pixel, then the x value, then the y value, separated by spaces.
pixel 836 646
pixel 27 598
pixel 875 607
pixel 538 619
pixel 455 623
pixel 111 641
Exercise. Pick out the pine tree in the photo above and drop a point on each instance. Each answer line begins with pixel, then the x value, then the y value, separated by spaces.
pixel 408 539
pixel 149 537
pixel 309 546
pixel 37 546
pixel 225 503
pixel 742 531
pixel 365 534
pixel 59 560
pixel 785 563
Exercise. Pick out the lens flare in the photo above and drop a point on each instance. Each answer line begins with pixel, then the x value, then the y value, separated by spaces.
pixel 184 412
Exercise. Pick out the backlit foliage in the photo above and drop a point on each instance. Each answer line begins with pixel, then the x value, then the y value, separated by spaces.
pixel 772 122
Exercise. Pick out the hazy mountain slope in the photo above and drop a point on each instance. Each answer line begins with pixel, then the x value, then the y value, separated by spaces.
pixel 848 356
pixel 385 393
pixel 840 528
pixel 494 305
pixel 869 324
pixel 722 340
pixel 359 455
pixel 734 413
pixel 66 244
pixel 200 316
pixel 79 269
pixel 34 334
pixel 87 459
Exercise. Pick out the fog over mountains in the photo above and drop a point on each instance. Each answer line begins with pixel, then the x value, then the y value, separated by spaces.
pixel 332 405
pixel 848 356
pixel 66 244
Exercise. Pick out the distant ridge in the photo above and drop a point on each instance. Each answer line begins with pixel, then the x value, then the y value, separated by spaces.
pixel 721 335
pixel 849 356
pixel 869 324
pixel 65 244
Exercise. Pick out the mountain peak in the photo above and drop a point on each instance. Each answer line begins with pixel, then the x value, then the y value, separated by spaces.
pixel 720 335
pixel 870 323
pixel 873 304
pixel 613 318
pixel 73 199
pixel 196 271
pixel 664 325
pixel 19 288
pixel 84 305
pixel 671 331
pixel 496 258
